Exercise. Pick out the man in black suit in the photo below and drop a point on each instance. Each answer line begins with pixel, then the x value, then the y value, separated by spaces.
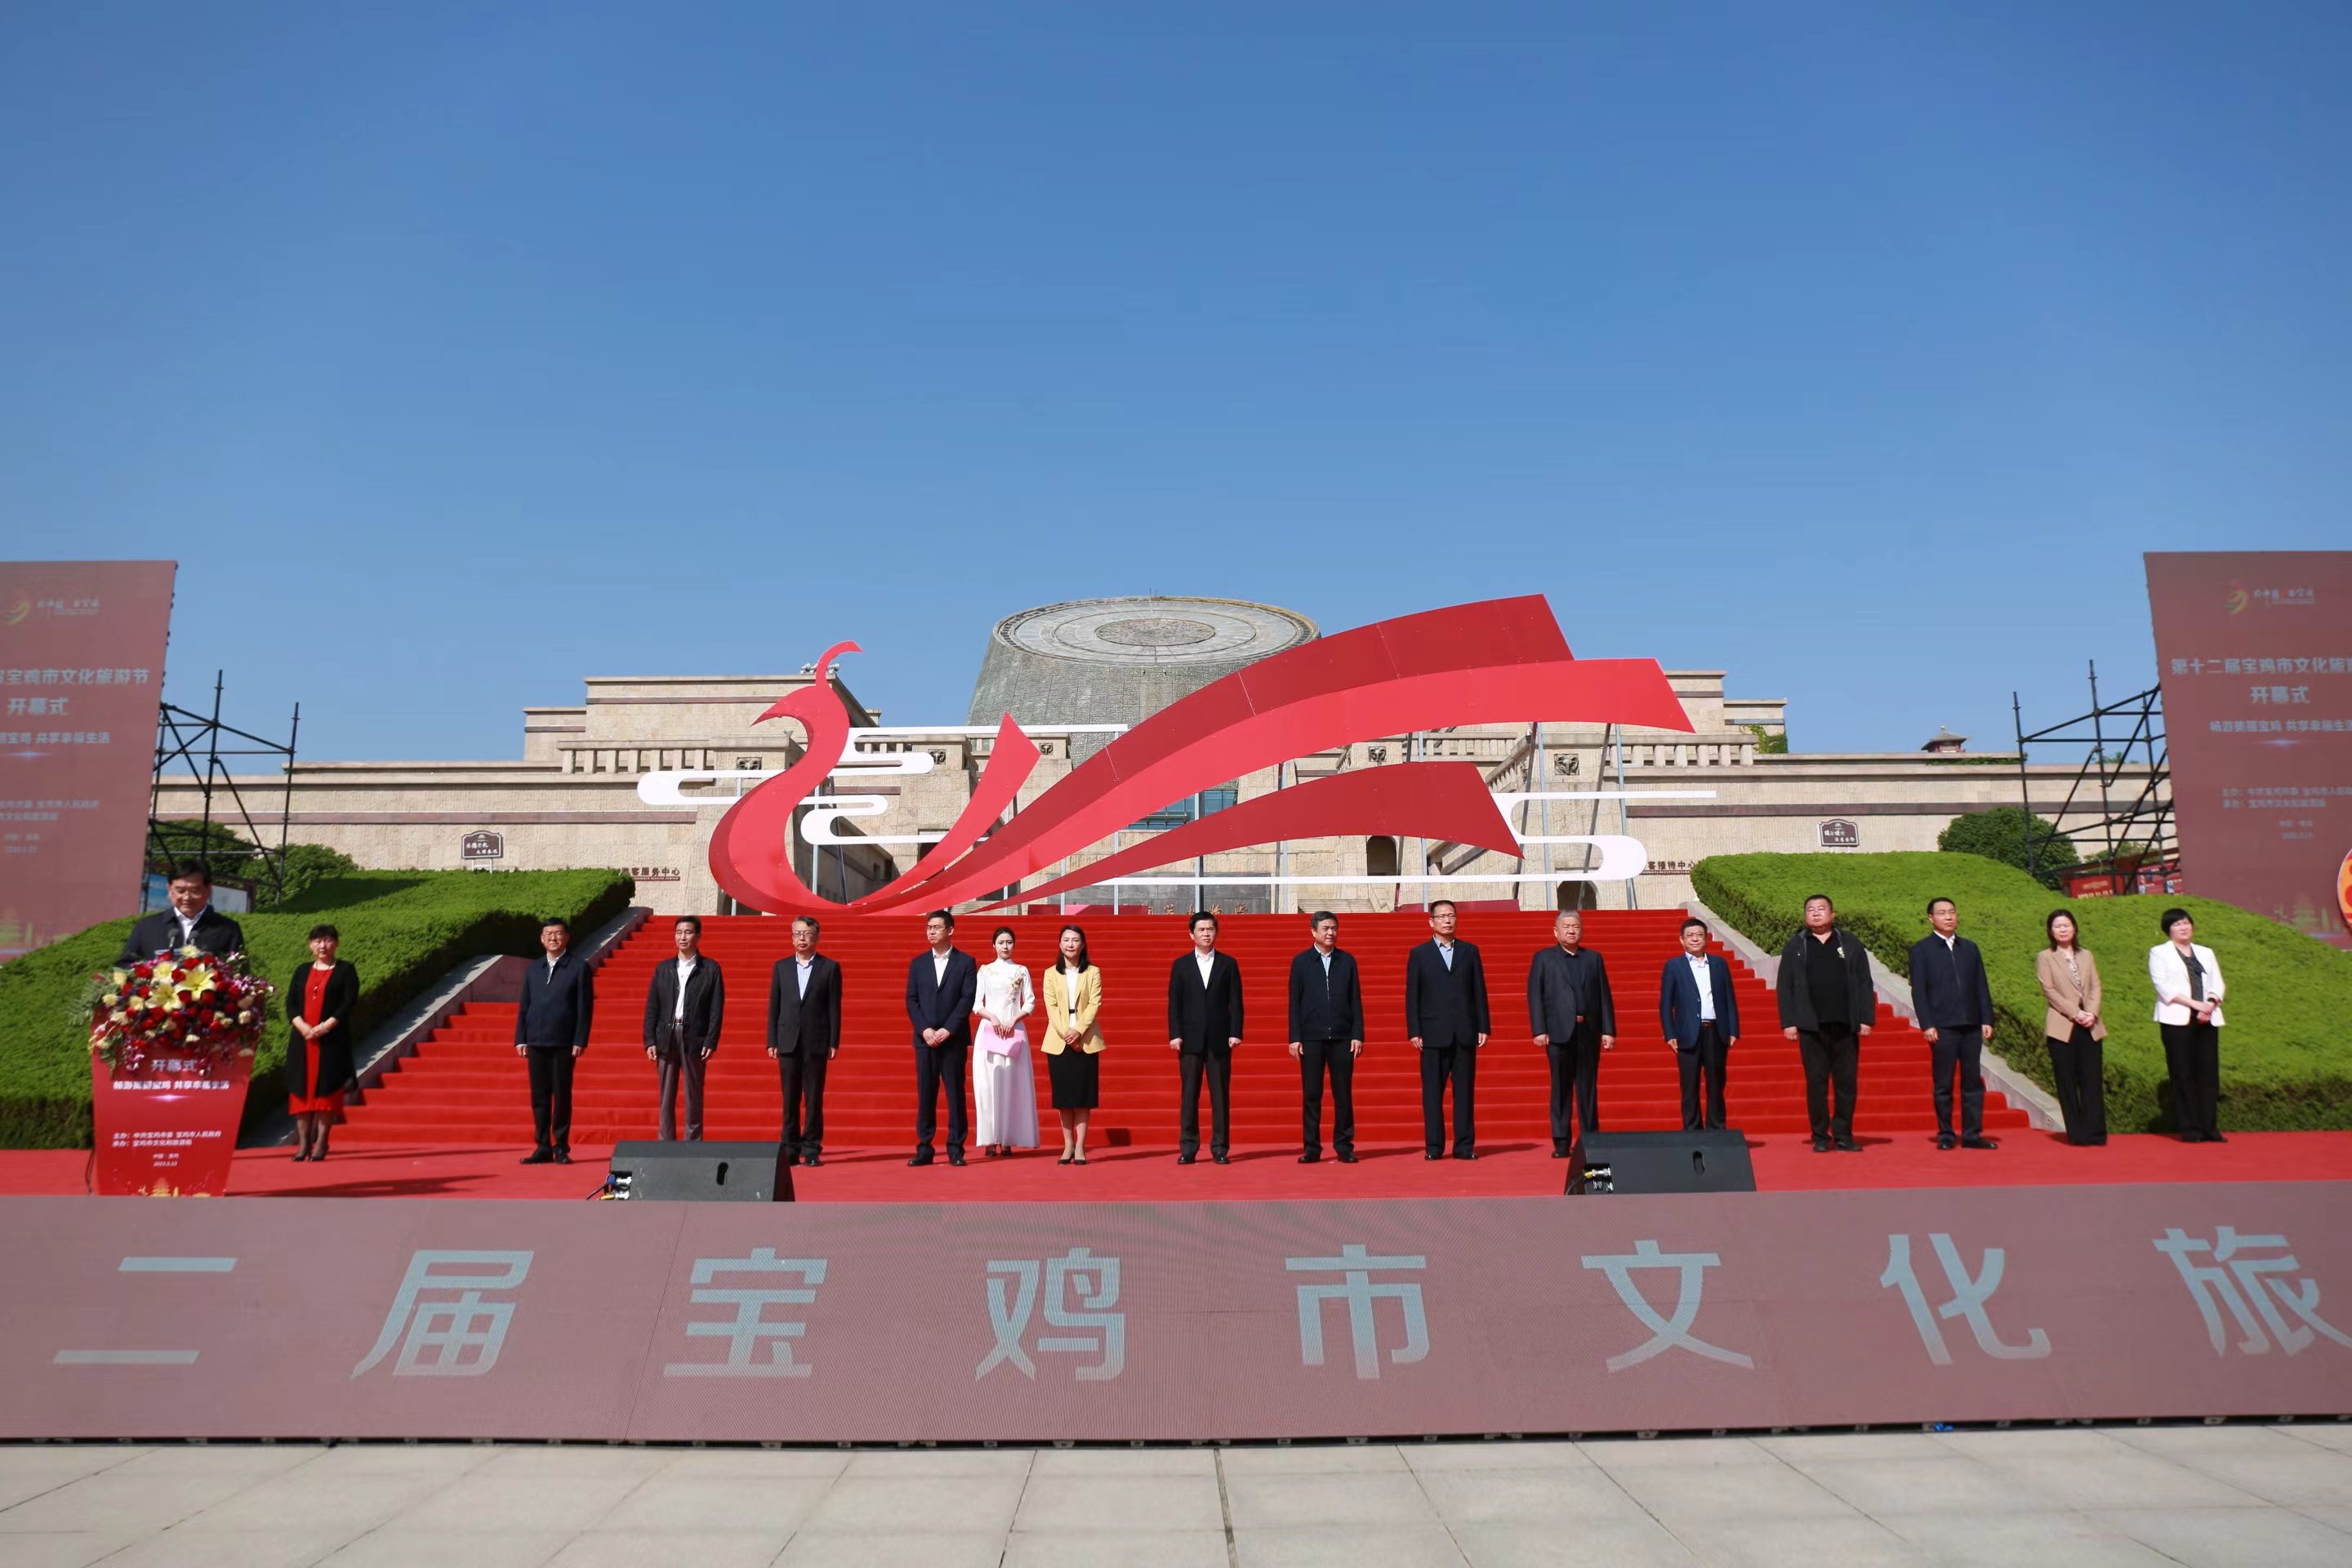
pixel 1828 1003
pixel 943 984
pixel 1574 1019
pixel 1699 1012
pixel 1327 1030
pixel 559 1002
pixel 1445 1018
pixel 685 1006
pixel 803 1034
pixel 1954 1001
pixel 1205 1025
pixel 190 921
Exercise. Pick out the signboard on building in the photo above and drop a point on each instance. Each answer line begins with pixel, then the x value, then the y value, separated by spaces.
pixel 1839 834
pixel 482 845
pixel 2255 659
pixel 81 676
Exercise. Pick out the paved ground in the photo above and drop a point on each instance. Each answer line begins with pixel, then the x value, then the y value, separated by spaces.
pixel 2277 1496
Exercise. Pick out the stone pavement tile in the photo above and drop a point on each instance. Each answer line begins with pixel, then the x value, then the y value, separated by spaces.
pixel 1851 1542
pixel 2125 1478
pixel 576 1462
pixel 1644 1545
pixel 886 1463
pixel 1123 1549
pixel 1732 1492
pixel 245 1549
pixel 1313 1459
pixel 443 1549
pixel 513 1504
pixel 1282 1502
pixel 1123 1462
pixel 2260 1461
pixel 1323 1547
pixel 1798 1446
pixel 60 1549
pixel 2033 1446
pixel 755 1464
pixel 2230 1537
pixel 443 1459
pixel 880 1548
pixel 688 1548
pixel 1945 1482
pixel 913 1504
pixel 306 1499
pixel 2335 1435
pixel 1120 1502
pixel 2332 1516
pixel 28 1471
pixel 1564 1498
pixel 1431 1458
pixel 250 1460
pixel 779 1505
pixel 136 1505
pixel 1677 1453
pixel 2014 1540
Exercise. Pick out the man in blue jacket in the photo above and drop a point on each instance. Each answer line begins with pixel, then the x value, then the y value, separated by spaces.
pixel 559 1003
pixel 1954 1001
pixel 942 982
pixel 1701 1017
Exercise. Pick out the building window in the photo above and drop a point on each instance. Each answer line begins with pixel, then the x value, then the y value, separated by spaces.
pixel 1191 808
pixel 1380 855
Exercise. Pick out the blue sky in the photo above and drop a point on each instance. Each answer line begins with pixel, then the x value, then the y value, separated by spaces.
pixel 458 351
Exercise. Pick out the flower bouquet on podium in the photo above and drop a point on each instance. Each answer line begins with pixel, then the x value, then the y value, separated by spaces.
pixel 171 1041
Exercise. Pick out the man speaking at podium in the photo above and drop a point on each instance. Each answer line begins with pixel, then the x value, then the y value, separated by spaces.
pixel 190 921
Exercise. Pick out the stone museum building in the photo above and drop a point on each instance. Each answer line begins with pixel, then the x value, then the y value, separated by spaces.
pixel 1075 675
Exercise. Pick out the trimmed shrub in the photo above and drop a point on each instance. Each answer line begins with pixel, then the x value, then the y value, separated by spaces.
pixel 2002 834
pixel 403 930
pixel 2285 1062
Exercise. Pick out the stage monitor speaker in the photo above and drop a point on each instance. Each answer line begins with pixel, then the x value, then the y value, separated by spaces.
pixel 1660 1163
pixel 701 1173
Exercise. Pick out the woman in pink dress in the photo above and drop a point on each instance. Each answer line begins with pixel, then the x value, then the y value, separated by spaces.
pixel 1003 1086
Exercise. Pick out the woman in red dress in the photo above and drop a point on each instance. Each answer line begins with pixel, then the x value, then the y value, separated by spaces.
pixel 318 1047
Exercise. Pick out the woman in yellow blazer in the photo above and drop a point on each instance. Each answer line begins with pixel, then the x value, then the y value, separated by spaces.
pixel 1073 1040
pixel 2070 980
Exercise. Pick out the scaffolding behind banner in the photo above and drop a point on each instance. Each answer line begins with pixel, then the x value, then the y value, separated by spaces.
pixel 206 747
pixel 2117 812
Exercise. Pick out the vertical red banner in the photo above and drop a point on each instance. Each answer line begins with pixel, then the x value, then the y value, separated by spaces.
pixel 2255 657
pixel 168 1129
pixel 81 676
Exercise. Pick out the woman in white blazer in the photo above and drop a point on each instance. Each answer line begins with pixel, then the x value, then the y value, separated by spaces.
pixel 2188 1015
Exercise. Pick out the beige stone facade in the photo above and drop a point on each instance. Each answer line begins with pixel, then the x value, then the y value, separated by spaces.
pixel 571 799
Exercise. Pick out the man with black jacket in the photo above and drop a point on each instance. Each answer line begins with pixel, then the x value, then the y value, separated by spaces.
pixel 1574 1019
pixel 559 1003
pixel 190 921
pixel 1954 1001
pixel 942 985
pixel 1205 1025
pixel 1827 1004
pixel 1445 1018
pixel 804 1035
pixel 1327 1030
pixel 685 1005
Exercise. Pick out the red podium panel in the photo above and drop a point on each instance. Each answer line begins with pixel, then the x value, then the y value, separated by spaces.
pixel 167 1129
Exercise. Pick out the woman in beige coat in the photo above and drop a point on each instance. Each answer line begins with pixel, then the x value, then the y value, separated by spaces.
pixel 1073 1040
pixel 2070 980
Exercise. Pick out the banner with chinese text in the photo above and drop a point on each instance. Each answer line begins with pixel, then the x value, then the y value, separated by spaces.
pixel 167 1129
pixel 81 676
pixel 1031 1323
pixel 2254 652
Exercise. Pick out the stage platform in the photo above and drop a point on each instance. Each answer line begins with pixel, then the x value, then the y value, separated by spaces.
pixel 1784 1162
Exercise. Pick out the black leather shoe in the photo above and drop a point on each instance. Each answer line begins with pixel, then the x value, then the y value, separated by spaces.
pixel 790 1160
pixel 1821 1145
pixel 2192 1137
pixel 1559 1153
pixel 1945 1141
pixel 1221 1159
pixel 2215 1137
pixel 538 1157
pixel 1183 1159
pixel 563 1156
pixel 1428 1156
pixel 955 1159
pixel 1979 1144
pixel 813 1161
pixel 1465 1153
pixel 1310 1159
pixel 920 1160
pixel 1347 1156
pixel 1848 1146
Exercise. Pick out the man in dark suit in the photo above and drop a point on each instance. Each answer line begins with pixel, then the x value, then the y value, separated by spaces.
pixel 804 1035
pixel 1954 1001
pixel 559 1003
pixel 1700 1016
pixel 1205 1025
pixel 1828 1003
pixel 1447 1020
pixel 1574 1019
pixel 941 985
pixel 685 1006
pixel 1327 1030
pixel 190 921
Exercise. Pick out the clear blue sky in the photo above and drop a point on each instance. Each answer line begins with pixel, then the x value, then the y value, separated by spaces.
pixel 458 351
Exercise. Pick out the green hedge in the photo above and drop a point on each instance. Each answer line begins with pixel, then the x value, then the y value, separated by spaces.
pixel 403 930
pixel 2285 1059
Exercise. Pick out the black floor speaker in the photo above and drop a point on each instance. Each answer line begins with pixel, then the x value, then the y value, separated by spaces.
pixel 1660 1163
pixel 701 1173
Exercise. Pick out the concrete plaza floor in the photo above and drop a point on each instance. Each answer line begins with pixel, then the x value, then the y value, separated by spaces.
pixel 2277 1496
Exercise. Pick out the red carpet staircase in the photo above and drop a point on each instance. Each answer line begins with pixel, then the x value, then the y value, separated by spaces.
pixel 466 1086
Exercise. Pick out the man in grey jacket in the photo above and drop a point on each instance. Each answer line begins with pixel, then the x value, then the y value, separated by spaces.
pixel 1827 1005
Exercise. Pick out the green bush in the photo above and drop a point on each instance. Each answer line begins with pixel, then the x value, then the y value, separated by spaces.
pixel 2003 834
pixel 402 929
pixel 2285 1062
pixel 228 856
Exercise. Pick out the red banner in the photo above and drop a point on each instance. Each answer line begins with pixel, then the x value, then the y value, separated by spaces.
pixel 1029 1323
pixel 81 675
pixel 2254 651
pixel 169 1128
